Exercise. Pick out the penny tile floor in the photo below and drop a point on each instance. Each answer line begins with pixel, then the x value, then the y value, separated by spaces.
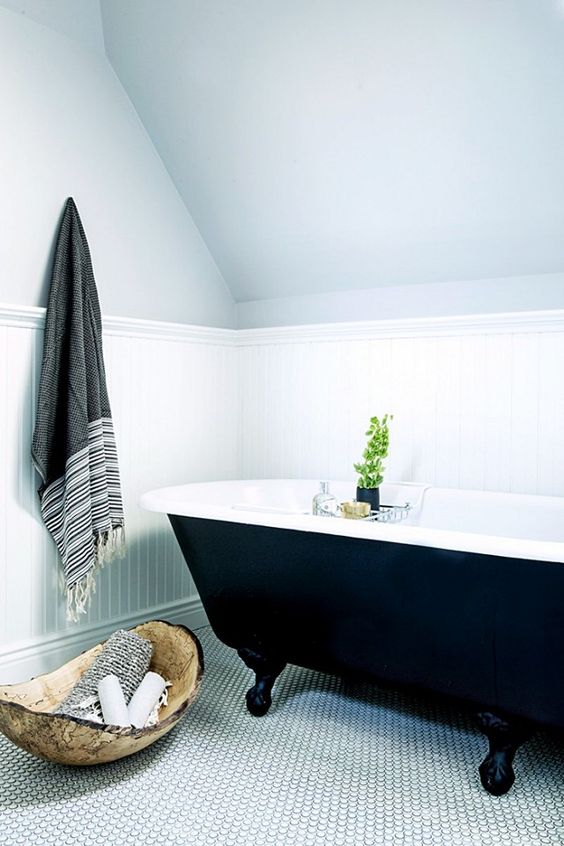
pixel 333 763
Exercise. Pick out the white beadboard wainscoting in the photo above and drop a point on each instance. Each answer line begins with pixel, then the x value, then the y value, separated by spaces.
pixel 478 402
pixel 173 391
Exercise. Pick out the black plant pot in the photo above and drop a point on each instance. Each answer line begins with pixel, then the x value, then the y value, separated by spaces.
pixel 371 495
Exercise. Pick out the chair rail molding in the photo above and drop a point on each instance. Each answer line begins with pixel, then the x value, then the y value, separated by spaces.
pixel 415 327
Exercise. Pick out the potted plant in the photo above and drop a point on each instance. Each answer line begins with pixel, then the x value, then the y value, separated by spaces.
pixel 371 469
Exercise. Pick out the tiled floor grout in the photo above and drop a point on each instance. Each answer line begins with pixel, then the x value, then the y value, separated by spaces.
pixel 333 763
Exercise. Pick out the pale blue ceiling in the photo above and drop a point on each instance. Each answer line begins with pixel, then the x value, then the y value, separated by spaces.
pixel 329 145
pixel 77 19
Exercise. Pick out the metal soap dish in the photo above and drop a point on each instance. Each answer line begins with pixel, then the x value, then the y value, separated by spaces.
pixel 390 513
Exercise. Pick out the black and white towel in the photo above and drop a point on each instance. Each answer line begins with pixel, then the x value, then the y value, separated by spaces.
pixel 74 447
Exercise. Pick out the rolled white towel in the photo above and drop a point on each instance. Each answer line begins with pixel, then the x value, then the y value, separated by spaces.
pixel 144 699
pixel 112 702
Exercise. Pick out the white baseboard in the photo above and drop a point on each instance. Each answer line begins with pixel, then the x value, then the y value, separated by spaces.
pixel 27 659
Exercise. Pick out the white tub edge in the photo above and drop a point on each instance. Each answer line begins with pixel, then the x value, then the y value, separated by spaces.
pixel 160 500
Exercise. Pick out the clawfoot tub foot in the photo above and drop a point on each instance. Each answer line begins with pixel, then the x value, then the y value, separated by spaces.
pixel 496 770
pixel 266 671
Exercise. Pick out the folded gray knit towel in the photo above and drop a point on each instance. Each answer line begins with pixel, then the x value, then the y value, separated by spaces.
pixel 125 655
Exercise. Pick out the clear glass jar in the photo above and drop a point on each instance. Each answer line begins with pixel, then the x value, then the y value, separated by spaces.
pixel 324 503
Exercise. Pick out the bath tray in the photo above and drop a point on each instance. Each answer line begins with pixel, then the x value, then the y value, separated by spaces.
pixel 26 709
pixel 389 513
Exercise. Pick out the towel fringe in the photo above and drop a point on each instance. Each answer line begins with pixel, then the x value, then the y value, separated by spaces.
pixel 110 545
pixel 107 545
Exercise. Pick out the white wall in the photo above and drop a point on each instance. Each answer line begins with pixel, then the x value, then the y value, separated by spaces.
pixel 481 296
pixel 172 389
pixel 68 128
pixel 478 402
pixel 329 145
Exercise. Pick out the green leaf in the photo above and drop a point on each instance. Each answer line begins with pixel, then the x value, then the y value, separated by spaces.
pixel 371 470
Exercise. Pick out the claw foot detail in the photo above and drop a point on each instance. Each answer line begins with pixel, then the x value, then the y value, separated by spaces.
pixel 505 737
pixel 496 773
pixel 266 671
pixel 258 700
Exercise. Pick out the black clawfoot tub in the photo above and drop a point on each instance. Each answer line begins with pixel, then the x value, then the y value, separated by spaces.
pixel 466 598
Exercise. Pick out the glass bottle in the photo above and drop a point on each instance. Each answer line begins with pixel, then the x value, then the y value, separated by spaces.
pixel 324 503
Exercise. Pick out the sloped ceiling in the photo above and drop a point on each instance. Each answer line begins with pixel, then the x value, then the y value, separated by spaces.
pixel 322 145
pixel 77 19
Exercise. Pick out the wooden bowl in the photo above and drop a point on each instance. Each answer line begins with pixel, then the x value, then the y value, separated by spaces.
pixel 25 708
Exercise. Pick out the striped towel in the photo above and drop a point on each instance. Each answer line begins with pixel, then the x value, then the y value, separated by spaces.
pixel 74 447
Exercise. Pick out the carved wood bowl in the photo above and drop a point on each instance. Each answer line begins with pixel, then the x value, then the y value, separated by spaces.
pixel 25 708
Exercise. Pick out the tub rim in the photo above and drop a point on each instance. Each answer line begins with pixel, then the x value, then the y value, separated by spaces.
pixel 166 500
